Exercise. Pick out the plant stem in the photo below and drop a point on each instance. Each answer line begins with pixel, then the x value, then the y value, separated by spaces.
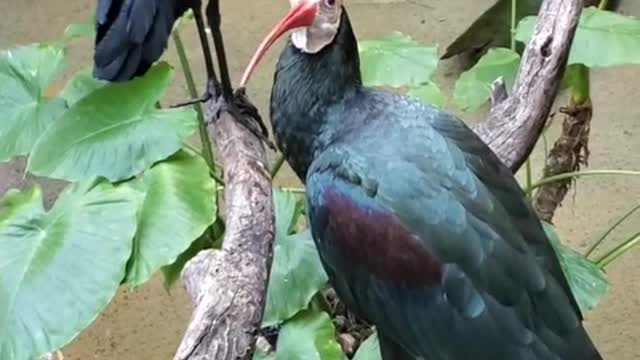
pixel 207 152
pixel 603 4
pixel 577 174
pixel 294 190
pixel 528 176
pixel 580 87
pixel 601 239
pixel 277 166
pixel 514 5
pixel 618 251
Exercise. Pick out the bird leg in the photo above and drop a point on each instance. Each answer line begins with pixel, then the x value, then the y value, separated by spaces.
pixel 213 89
pixel 245 113
pixel 237 104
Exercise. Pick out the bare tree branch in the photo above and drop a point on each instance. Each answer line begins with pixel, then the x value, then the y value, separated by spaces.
pixel 228 286
pixel 515 124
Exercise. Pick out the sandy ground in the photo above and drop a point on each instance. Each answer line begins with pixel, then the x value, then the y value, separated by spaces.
pixel 147 323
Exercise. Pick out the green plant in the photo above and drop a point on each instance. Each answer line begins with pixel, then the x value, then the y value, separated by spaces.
pixel 140 198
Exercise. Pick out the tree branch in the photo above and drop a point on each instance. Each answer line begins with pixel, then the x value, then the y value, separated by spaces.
pixel 228 286
pixel 515 124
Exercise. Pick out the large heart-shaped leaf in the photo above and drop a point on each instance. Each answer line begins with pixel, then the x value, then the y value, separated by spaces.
pixel 429 93
pixel 82 84
pixel 588 282
pixel 25 112
pixel 296 273
pixel 309 335
pixel 59 269
pixel 115 132
pixel 474 86
pixel 396 61
pixel 179 204
pixel 369 349
pixel 603 38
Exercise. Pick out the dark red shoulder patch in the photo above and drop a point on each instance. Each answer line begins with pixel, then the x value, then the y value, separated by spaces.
pixel 376 240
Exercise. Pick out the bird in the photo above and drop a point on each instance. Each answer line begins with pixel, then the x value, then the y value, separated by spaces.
pixel 131 35
pixel 421 229
pixel 493 27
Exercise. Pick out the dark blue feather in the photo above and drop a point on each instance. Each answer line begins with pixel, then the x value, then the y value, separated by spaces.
pixel 132 35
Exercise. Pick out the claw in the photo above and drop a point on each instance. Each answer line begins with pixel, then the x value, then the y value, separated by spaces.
pixel 246 114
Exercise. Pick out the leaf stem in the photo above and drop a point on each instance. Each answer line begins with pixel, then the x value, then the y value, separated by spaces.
pixel 603 4
pixel 514 6
pixel 295 190
pixel 277 166
pixel 207 152
pixel 606 233
pixel 618 251
pixel 196 151
pixel 577 174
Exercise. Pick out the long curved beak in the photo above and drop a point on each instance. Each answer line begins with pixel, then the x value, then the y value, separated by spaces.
pixel 301 15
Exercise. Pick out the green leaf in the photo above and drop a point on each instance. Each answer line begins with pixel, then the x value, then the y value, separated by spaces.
pixel 81 85
pixel 473 88
pixel 588 282
pixel 309 335
pixel 262 356
pixel 74 31
pixel 603 38
pixel 115 132
pixel 179 204
pixel 172 271
pixel 396 61
pixel 430 94
pixel 25 112
pixel 59 269
pixel 296 272
pixel 369 349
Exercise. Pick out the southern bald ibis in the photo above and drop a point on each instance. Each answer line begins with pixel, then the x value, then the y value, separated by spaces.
pixel 420 227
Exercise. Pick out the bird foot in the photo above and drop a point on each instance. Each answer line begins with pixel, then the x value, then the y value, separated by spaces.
pixel 212 91
pixel 245 113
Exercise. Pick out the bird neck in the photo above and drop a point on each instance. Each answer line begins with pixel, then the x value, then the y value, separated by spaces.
pixel 307 93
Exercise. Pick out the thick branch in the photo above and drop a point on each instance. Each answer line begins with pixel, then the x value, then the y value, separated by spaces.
pixel 228 286
pixel 515 124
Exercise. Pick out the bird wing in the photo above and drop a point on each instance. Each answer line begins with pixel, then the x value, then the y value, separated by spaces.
pixel 419 225
pixel 131 35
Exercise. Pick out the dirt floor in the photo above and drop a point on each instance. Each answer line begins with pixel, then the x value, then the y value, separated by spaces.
pixel 147 323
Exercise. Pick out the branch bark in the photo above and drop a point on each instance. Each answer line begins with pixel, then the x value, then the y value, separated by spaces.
pixel 569 152
pixel 228 286
pixel 515 124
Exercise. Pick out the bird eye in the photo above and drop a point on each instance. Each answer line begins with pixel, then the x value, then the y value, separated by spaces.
pixel 331 2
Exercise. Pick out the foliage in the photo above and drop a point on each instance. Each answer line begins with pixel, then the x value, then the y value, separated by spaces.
pixel 369 349
pixel 141 199
pixel 473 88
pixel 60 268
pixel 308 335
pixel 296 272
pixel 599 32
pixel 588 282
pixel 399 61
pixel 135 203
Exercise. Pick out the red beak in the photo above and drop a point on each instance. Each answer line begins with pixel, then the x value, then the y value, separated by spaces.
pixel 301 15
